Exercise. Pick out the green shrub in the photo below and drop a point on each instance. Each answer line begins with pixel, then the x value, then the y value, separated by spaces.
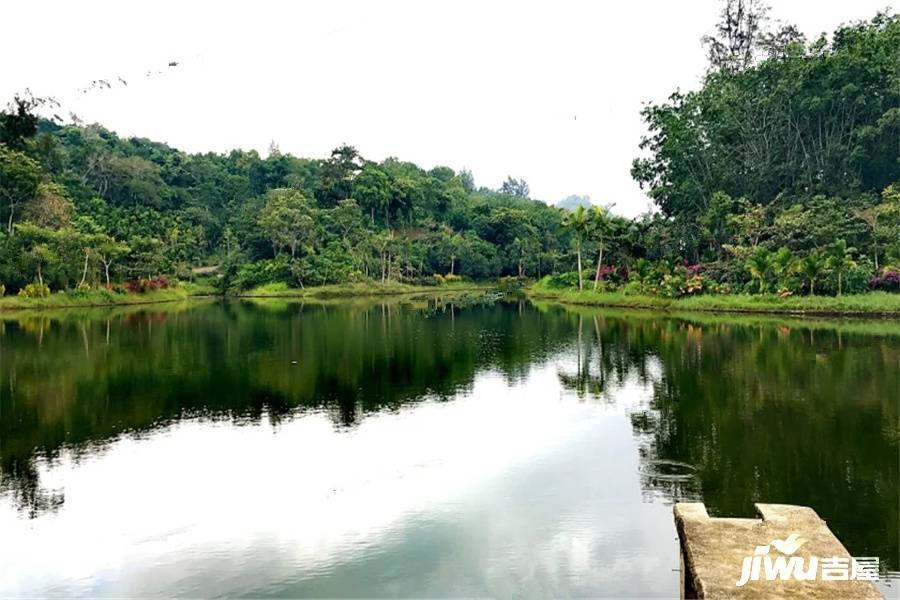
pixel 561 280
pixel 448 278
pixel 855 280
pixel 274 270
pixel 35 290
pixel 633 288
pixel 672 285
pixel 82 289
pixel 279 287
pixel 720 289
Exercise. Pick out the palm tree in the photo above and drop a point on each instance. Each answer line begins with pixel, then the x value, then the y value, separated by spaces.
pixel 782 263
pixel 870 216
pixel 760 264
pixel 599 229
pixel 840 258
pixel 577 222
pixel 642 270
pixel 810 267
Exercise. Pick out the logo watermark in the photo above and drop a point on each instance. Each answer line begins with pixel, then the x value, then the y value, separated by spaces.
pixel 781 565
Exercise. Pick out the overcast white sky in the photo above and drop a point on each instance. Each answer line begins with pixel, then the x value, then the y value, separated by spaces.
pixel 548 91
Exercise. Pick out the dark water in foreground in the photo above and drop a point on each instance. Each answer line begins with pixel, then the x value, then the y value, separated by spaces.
pixel 424 449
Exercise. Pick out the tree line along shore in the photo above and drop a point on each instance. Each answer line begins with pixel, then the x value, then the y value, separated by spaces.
pixel 776 187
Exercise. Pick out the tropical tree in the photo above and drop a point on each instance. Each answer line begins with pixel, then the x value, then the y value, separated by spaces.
pixel 811 267
pixel 840 260
pixel 49 207
pixel 782 265
pixel 738 36
pixel 18 123
pixel 600 226
pixel 578 223
pixel 760 264
pixel 641 271
pixel 338 174
pixel 515 187
pixel 287 220
pixel 372 188
pixel 19 179
pixel 108 250
pixel 715 220
pixel 40 248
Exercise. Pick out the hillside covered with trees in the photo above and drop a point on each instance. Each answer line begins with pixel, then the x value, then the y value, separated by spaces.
pixel 780 174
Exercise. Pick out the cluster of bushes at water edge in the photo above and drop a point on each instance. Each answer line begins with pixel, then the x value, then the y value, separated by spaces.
pixel 834 270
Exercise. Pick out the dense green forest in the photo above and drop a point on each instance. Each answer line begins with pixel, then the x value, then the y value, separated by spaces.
pixel 780 174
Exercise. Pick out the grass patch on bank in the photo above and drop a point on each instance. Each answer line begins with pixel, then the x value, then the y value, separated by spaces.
pixel 103 297
pixel 361 289
pixel 870 303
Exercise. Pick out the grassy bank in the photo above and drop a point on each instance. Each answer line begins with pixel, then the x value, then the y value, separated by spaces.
pixel 784 322
pixel 872 303
pixel 362 289
pixel 185 290
pixel 102 297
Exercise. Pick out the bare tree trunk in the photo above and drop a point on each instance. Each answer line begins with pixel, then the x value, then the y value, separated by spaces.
pixel 106 269
pixel 84 273
pixel 580 283
pixel 599 264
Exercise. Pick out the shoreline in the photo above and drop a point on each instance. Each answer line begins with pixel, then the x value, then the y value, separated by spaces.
pixel 876 305
pixel 106 299
pixel 364 290
pixel 95 299
pixel 737 304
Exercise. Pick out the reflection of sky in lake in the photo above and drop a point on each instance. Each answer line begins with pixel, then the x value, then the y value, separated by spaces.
pixel 521 489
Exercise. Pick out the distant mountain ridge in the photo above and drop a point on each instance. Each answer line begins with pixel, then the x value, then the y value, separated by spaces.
pixel 574 201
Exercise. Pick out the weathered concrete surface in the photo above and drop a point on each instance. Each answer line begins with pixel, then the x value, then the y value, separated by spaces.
pixel 713 552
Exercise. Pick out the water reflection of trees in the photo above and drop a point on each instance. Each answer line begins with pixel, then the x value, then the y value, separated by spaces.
pixel 599 364
pixel 745 411
pixel 76 383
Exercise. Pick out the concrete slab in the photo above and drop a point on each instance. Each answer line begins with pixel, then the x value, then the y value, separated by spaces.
pixel 719 553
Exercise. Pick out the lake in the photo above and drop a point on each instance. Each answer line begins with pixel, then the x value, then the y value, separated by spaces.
pixel 424 447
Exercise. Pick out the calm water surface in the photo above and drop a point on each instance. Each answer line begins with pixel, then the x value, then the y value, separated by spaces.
pixel 423 448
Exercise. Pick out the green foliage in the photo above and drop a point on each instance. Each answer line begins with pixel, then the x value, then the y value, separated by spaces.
pixel 448 278
pixel 840 261
pixel 761 265
pixel 560 281
pixel 287 220
pixel 785 148
pixel 811 268
pixel 19 179
pixel 822 118
pixel 641 272
pixel 273 270
pixel 35 290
